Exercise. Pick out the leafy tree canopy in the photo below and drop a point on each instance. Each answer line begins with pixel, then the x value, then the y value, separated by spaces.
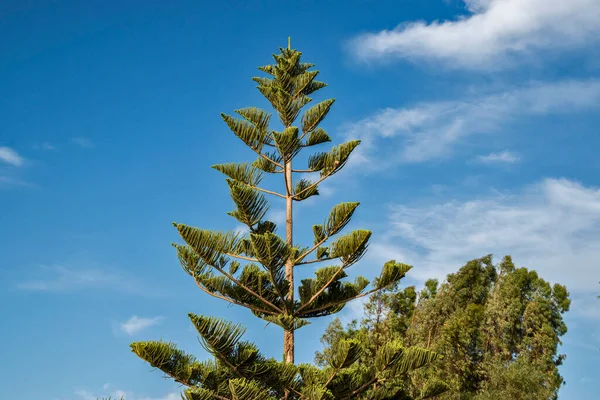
pixel 497 326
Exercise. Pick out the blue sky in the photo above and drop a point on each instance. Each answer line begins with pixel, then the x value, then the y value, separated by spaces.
pixel 479 125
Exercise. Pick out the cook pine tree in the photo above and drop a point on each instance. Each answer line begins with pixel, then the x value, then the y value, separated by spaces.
pixel 255 269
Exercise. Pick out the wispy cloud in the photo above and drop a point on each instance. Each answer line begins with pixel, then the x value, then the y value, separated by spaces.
pixel 116 394
pixel 430 130
pixel 8 181
pixel 495 34
pixel 59 278
pixel 504 157
pixel 552 227
pixel 241 229
pixel 82 141
pixel 44 146
pixel 136 324
pixel 10 157
pixel 277 216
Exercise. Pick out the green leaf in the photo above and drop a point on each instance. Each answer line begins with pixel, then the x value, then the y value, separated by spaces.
pixel 326 273
pixel 339 217
pixel 334 296
pixel 233 267
pixel 322 252
pixel 219 337
pixel 270 250
pixel 388 355
pixel 251 204
pixel 301 194
pixel 241 172
pixel 392 272
pixel 303 81
pixel 319 233
pixel 287 142
pixel 433 388
pixel 264 227
pixel 207 245
pixel 246 131
pixel 313 87
pixel 287 322
pixel 317 136
pixel 244 389
pixel 165 356
pixel 314 115
pixel 351 247
pixel 190 261
pixel 265 165
pixel 198 394
pixel 334 160
pixel 345 353
pixel 259 118
pixel 413 358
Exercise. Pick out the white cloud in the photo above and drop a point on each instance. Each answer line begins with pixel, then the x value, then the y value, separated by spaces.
pixel 506 157
pixel 83 142
pixel 354 310
pixel 8 181
pixel 62 279
pixel 241 229
pixel 430 130
pixel 277 216
pixel 85 395
pixel 495 34
pixel 552 227
pixel 136 324
pixel 10 157
pixel 44 146
pixel 117 394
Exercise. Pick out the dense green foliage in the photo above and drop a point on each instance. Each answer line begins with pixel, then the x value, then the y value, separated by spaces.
pixel 498 327
pixel 255 270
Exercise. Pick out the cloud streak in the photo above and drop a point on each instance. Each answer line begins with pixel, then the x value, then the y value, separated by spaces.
pixel 431 130
pixel 136 324
pixel 10 157
pixel 59 279
pixel 117 394
pixel 552 226
pixel 504 157
pixel 84 142
pixel 495 34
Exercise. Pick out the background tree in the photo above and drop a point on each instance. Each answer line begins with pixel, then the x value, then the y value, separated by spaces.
pixel 255 270
pixel 498 328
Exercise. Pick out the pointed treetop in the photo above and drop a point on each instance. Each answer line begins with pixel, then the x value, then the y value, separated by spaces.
pixel 289 43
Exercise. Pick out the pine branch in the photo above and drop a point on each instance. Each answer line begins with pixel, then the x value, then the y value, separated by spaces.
pixel 316 295
pixel 334 303
pixel 310 250
pixel 338 218
pixel 314 115
pixel 316 260
pixel 210 246
pixel 233 301
pixel 267 191
pixel 218 336
pixel 241 257
pixel 246 174
pixel 306 189
pixel 272 253
pixel 248 290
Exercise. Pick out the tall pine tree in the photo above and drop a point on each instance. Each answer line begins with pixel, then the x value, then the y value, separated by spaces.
pixel 255 270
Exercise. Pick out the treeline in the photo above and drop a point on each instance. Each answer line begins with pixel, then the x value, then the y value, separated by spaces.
pixel 498 328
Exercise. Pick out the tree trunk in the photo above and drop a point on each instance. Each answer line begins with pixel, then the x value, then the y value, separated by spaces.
pixel 288 336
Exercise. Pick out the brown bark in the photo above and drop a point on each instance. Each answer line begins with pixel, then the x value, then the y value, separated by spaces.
pixel 288 336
